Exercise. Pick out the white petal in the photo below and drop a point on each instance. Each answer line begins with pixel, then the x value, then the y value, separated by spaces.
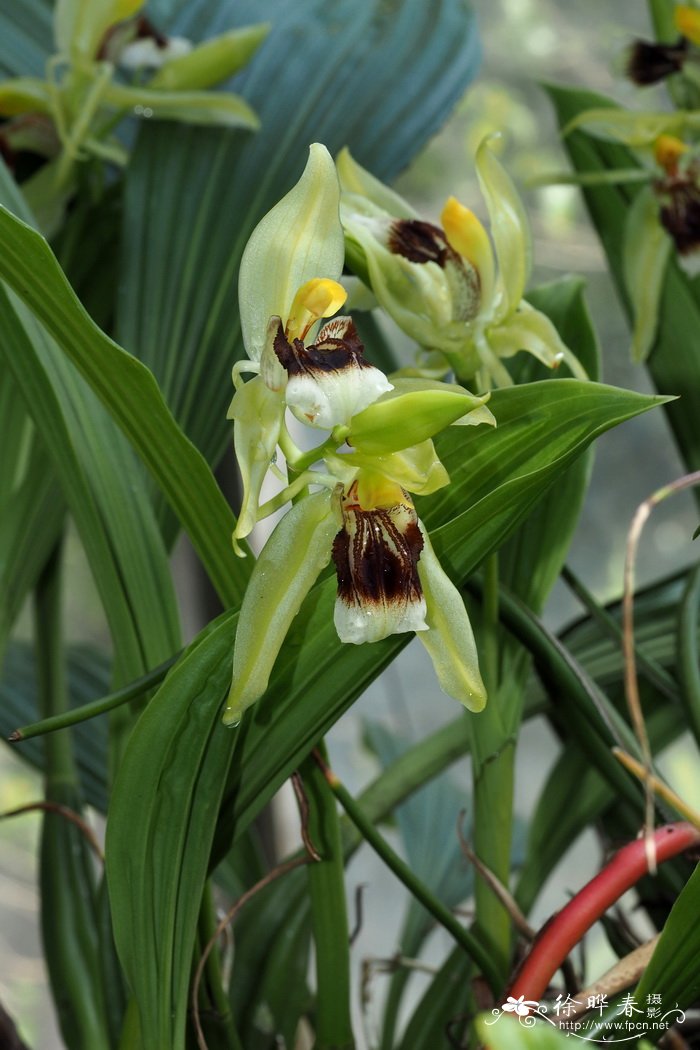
pixel 364 623
pixel 376 555
pixel 326 399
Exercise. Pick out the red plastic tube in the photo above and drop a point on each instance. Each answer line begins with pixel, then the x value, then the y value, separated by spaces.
pixel 565 929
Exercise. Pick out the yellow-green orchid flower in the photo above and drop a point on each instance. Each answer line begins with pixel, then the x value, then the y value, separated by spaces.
pixel 83 101
pixel 356 506
pixel 449 286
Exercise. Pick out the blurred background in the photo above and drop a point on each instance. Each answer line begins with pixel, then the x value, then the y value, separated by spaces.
pixel 525 42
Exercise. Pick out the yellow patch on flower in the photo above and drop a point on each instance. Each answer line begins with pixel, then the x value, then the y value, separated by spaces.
pixel 319 297
pixel 467 235
pixel 667 151
pixel 687 21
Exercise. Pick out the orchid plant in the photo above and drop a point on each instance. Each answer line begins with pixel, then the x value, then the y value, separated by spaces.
pixel 357 509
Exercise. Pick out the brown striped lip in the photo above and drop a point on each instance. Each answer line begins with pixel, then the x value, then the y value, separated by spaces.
pixel 376 558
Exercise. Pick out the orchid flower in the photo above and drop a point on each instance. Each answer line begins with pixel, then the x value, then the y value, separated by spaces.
pixel 449 287
pixel 376 448
pixel 70 115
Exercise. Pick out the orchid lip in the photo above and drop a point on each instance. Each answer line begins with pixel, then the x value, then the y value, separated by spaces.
pixel 329 381
pixel 376 557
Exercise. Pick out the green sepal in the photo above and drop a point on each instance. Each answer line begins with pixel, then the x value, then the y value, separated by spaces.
pixel 188 107
pixel 450 639
pixel 299 239
pixel 257 415
pixel 510 229
pixel 288 566
pixel 529 329
pixel 629 127
pixel 414 411
pixel 211 62
pixel 417 469
pixel 646 251
pixel 356 182
pixel 24 95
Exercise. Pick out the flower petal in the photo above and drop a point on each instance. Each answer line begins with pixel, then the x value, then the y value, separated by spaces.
pixel 376 555
pixel 288 566
pixel 209 63
pixel 467 236
pixel 79 25
pixel 415 410
pixel 510 228
pixel 528 329
pixel 257 414
pixel 354 179
pixel 300 238
pixel 417 469
pixel 646 250
pixel 449 640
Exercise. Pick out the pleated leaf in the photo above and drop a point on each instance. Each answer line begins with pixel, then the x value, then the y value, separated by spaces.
pixel 97 470
pixel 130 394
pixel 88 671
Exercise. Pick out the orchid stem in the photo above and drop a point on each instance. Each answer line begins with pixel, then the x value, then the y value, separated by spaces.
pixel 328 913
pixel 466 940
pixel 493 760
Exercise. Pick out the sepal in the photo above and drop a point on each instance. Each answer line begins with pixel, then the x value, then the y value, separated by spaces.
pixel 299 239
pixel 450 639
pixel 528 329
pixel 510 230
pixel 357 182
pixel 646 250
pixel 286 570
pixel 212 62
pixel 80 25
pixel 414 411
pixel 257 415
pixel 417 469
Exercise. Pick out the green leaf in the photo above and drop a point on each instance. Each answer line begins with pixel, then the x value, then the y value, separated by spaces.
pixel 531 561
pixel 89 673
pixel 131 395
pixel 507 1034
pixel 337 83
pixel 157 861
pixel 26 38
pixel 673 971
pixel 542 427
pixel 430 816
pixel 96 469
pixel 572 799
pixel 441 1008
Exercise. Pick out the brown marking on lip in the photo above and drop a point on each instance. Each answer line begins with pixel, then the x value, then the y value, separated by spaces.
pixel 680 211
pixel 419 242
pixel 337 348
pixel 649 63
pixel 376 558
